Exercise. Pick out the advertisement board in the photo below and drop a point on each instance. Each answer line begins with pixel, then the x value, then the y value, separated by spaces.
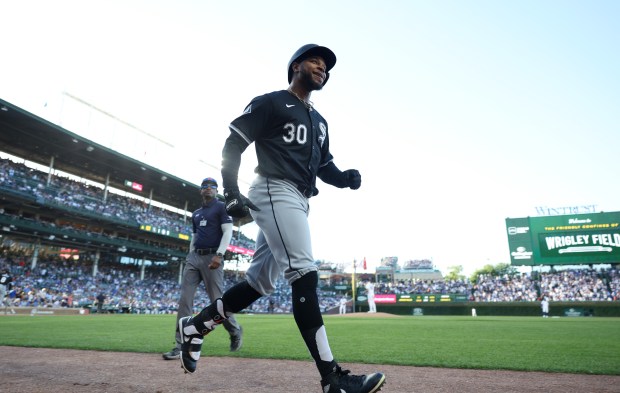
pixel 564 240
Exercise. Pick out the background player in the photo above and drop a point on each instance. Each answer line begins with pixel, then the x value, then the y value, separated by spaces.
pixel 343 305
pixel 5 286
pixel 211 233
pixel 292 147
pixel 370 294
pixel 544 304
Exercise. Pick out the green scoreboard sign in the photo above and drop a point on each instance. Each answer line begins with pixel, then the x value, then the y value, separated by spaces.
pixel 564 240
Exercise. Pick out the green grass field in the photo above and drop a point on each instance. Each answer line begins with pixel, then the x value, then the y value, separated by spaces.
pixel 571 345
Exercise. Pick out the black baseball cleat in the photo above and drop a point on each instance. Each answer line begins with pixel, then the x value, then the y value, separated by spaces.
pixel 340 381
pixel 191 344
pixel 236 340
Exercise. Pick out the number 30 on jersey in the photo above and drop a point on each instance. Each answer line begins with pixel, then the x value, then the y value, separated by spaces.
pixel 295 133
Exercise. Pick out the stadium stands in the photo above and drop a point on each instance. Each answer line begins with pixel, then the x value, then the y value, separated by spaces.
pixel 82 199
pixel 42 210
pixel 65 283
pixel 57 282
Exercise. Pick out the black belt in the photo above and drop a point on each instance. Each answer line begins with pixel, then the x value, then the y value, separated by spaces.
pixel 205 251
pixel 305 191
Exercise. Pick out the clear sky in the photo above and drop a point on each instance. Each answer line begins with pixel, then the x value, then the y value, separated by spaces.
pixel 458 114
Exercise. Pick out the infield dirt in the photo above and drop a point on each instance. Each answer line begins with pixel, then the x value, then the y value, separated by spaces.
pixel 37 370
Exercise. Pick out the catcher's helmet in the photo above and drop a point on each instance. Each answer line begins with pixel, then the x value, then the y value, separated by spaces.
pixel 312 50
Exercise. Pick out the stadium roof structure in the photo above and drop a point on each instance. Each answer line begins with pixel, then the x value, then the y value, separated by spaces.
pixel 33 138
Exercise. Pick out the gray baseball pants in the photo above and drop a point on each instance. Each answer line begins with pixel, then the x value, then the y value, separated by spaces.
pixel 197 270
pixel 283 243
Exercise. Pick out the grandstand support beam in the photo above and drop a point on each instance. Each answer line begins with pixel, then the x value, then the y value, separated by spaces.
pixel 142 267
pixel 35 255
pixel 105 189
pixel 49 172
pixel 96 262
pixel 150 199
pixel 353 285
pixel 181 266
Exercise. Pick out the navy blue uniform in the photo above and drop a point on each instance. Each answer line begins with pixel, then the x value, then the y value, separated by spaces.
pixel 209 239
pixel 207 224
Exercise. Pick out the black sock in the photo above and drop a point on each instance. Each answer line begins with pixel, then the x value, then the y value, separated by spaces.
pixel 234 300
pixel 239 296
pixel 309 320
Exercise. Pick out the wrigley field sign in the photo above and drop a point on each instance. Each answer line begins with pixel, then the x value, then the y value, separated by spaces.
pixel 564 240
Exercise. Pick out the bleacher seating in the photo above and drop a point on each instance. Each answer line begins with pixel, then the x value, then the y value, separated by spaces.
pixel 56 282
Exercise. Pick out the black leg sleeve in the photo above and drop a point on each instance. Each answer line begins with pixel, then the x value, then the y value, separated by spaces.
pixel 239 296
pixel 307 313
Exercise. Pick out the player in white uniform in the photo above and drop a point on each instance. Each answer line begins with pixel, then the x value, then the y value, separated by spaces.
pixel 545 307
pixel 343 305
pixel 292 148
pixel 370 293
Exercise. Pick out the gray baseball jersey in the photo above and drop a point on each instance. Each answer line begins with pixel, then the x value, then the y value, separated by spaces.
pixel 292 144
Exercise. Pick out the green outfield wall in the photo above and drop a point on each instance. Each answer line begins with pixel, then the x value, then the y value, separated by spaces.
pixel 556 309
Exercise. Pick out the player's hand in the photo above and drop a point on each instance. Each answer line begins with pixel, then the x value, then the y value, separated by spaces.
pixel 237 205
pixel 216 262
pixel 353 178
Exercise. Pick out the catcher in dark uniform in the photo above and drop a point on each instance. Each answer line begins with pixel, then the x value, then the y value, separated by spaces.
pixel 292 147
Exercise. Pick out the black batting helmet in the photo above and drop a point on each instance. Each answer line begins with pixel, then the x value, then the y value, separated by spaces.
pixel 312 50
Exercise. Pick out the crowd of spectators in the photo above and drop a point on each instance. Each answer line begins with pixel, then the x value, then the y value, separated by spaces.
pixel 81 196
pixel 77 195
pixel 57 282
pixel 578 285
pixel 614 284
pixel 568 285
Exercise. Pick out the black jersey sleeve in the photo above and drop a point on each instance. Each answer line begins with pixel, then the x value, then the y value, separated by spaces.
pixel 231 159
pixel 244 130
pixel 254 120
pixel 330 174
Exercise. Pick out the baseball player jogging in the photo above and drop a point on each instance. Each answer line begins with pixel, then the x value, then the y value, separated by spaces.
pixel 292 149
pixel 211 233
